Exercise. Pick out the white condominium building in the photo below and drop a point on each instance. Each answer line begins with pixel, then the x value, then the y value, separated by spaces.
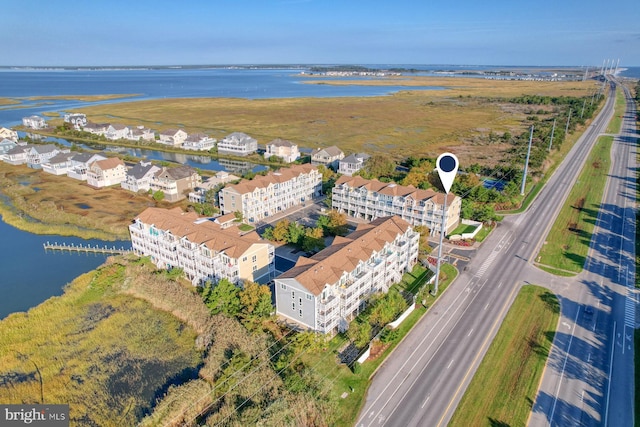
pixel 370 199
pixel 205 251
pixel 264 196
pixel 325 292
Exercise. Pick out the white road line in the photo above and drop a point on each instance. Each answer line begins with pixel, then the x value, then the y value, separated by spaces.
pixel 613 349
pixel 450 363
pixel 564 365
pixel 425 401
pixel 469 334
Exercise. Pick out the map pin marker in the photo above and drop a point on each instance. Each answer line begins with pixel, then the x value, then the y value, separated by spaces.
pixel 447 167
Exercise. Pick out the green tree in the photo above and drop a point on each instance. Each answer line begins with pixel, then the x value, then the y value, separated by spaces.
pixel 359 333
pixel 313 239
pixel 337 223
pixel 281 231
pixel 224 298
pixel 255 299
pixel 296 234
pixel 423 245
pixel 158 196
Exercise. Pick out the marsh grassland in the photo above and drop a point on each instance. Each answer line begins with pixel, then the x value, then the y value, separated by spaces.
pixel 421 123
pixel 42 203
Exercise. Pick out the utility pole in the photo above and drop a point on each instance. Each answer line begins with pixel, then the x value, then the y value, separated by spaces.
pixel 526 163
pixel 553 129
pixel 583 104
pixel 566 128
pixel 447 167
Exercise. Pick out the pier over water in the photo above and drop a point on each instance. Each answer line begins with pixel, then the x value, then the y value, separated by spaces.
pixel 85 248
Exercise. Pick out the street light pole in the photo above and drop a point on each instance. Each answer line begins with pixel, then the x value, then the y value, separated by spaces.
pixel 526 163
pixel 443 230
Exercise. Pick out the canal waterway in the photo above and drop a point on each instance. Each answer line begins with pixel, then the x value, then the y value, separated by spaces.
pixel 29 275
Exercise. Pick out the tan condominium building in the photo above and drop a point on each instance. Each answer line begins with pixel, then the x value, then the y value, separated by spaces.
pixel 264 196
pixel 205 251
pixel 370 199
pixel 325 292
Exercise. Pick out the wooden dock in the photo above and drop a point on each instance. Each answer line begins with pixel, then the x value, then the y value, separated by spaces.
pixel 85 248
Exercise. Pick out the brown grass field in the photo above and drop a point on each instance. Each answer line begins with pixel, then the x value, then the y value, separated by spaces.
pixel 412 122
pixel 67 206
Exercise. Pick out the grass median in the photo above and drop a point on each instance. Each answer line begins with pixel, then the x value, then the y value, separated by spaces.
pixel 504 387
pixel 565 250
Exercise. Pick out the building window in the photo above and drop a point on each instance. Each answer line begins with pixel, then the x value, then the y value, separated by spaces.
pixel 300 312
pixel 254 258
pixel 293 295
pixel 293 306
pixel 255 267
pixel 309 297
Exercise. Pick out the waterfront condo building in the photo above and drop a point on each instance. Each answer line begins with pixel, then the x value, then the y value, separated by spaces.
pixel 176 182
pixel 264 196
pixel 202 248
pixel 325 292
pixel 370 199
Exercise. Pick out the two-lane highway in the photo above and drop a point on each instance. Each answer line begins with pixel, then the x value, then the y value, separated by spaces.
pixel 588 379
pixel 423 381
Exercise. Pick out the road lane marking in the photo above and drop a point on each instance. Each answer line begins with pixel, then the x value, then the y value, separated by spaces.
pixel 426 400
pixel 564 365
pixel 450 363
pixel 613 349
pixel 496 323
pixel 469 334
pixel 454 307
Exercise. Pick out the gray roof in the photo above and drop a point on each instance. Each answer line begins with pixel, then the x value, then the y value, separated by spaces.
pixel 332 151
pixel 61 158
pixel 20 149
pixel 84 157
pixel 176 173
pixel 41 149
pixel 355 158
pixel 140 170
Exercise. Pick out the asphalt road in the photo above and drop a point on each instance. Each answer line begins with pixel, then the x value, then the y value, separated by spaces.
pixel 423 381
pixel 588 378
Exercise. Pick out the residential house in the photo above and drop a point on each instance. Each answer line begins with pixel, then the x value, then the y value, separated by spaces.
pixel 352 163
pixel 329 157
pixel 7 144
pixel 37 155
pixel 141 133
pixel 199 142
pixel 60 164
pixel 264 196
pixel 286 150
pixel 117 131
pixel 325 292
pixel 370 199
pixel 96 128
pixel 34 122
pixel 80 165
pixel 176 182
pixel 174 137
pixel 201 248
pixel 104 173
pixel 237 143
pixel 77 120
pixel 6 133
pixel 139 177
pixel 199 194
pixel 17 155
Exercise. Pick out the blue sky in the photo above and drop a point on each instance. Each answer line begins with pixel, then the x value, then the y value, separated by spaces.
pixel 143 32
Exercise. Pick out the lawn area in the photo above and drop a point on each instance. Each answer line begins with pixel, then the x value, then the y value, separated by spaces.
pixel 568 242
pixel 355 384
pixel 504 387
pixel 463 228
